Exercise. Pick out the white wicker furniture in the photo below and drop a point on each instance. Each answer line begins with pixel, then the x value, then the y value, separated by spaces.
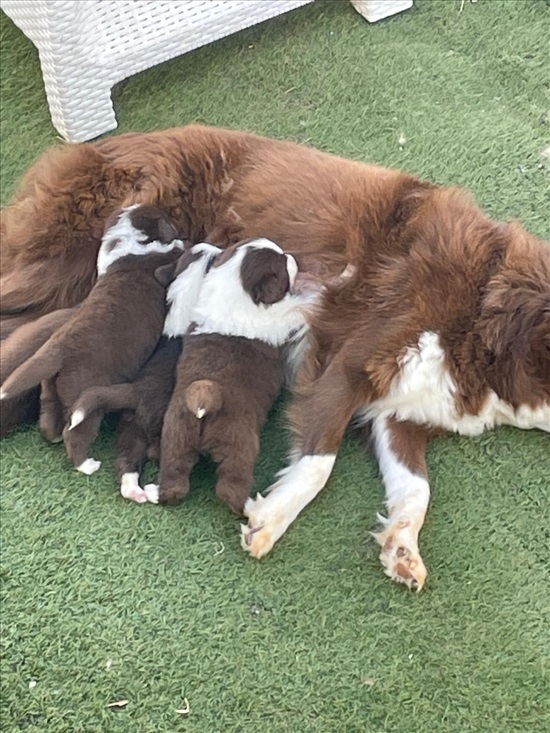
pixel 87 46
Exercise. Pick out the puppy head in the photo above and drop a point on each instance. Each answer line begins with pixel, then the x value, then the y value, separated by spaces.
pixel 153 223
pixel 185 278
pixel 138 230
pixel 249 292
pixel 267 274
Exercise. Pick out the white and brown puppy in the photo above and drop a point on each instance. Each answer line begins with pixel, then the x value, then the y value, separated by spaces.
pixel 113 332
pixel 230 370
pixel 144 401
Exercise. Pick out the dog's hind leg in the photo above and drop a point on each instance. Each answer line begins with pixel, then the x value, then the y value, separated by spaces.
pixel 236 472
pixel 78 441
pixel 401 451
pixel 323 415
pixel 177 455
pixel 51 412
pixel 131 448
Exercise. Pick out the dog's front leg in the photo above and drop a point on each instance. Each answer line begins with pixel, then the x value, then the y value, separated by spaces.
pixel 322 417
pixel 401 451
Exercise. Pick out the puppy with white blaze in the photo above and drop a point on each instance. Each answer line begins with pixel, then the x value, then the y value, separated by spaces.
pixel 231 369
pixel 144 401
pixel 111 335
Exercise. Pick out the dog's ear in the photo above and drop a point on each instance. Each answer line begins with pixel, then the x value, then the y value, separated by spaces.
pixel 264 276
pixel 165 274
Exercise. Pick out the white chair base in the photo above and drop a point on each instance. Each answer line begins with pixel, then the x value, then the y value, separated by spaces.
pixel 87 46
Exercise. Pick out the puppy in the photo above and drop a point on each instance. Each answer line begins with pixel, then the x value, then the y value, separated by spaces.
pixel 21 343
pixel 112 334
pixel 145 400
pixel 230 370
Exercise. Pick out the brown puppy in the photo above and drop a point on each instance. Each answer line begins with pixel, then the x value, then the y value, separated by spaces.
pixel 21 343
pixel 230 370
pixel 112 334
pixel 145 400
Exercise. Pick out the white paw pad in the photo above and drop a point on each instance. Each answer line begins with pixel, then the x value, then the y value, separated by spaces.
pixel 89 466
pixel 152 493
pixel 400 556
pixel 256 536
pixel 130 488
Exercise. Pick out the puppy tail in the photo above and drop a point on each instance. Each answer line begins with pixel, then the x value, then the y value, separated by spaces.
pixel 203 397
pixel 107 399
pixel 43 365
pixel 25 340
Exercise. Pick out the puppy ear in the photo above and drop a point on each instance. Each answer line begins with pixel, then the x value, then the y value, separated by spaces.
pixel 270 288
pixel 264 276
pixel 165 274
pixel 167 232
pixel 154 223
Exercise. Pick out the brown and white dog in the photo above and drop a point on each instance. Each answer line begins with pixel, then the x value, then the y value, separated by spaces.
pixel 110 335
pixel 447 332
pixel 230 370
pixel 445 302
pixel 145 400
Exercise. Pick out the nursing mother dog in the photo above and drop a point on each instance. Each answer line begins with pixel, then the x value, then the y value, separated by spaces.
pixel 444 324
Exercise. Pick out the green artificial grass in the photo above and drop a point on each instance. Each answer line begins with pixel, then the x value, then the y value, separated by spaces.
pixel 105 600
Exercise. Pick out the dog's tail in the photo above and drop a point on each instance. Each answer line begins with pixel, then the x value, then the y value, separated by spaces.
pixel 43 365
pixel 203 397
pixel 25 340
pixel 107 399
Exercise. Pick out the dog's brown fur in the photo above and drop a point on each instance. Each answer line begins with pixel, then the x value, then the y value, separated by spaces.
pixel 225 185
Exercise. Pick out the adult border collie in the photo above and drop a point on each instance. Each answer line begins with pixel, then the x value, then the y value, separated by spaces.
pixel 444 325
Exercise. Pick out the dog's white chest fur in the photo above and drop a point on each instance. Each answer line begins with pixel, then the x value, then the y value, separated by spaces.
pixel 424 392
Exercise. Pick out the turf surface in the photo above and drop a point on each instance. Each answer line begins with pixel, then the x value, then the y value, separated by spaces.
pixel 104 600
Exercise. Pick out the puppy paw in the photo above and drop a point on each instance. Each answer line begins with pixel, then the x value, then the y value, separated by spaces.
pixel 400 557
pixel 151 492
pixel 89 466
pixel 130 488
pixel 257 536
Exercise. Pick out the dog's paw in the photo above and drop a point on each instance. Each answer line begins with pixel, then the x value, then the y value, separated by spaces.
pixel 400 556
pixel 151 493
pixel 130 488
pixel 89 466
pixel 257 537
